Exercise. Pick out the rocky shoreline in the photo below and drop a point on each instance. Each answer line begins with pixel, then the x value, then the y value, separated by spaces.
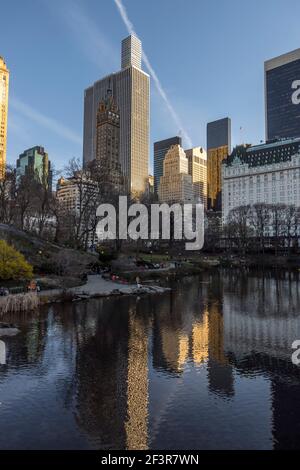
pixel 97 286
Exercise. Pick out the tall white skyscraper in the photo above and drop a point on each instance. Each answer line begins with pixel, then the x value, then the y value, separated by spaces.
pixel 131 52
pixel 131 91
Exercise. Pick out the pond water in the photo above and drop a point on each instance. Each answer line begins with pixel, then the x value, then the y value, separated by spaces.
pixel 207 366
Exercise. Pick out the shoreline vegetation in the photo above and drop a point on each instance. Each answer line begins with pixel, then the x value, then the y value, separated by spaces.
pixel 123 281
pixel 66 274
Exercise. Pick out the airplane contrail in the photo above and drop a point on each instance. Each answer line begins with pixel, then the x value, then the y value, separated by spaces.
pixel 49 123
pixel 160 89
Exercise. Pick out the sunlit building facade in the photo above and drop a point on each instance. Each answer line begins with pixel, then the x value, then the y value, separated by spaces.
pixel 131 91
pixel 176 184
pixel 218 148
pixel 4 88
pixel 197 159
pixel 267 173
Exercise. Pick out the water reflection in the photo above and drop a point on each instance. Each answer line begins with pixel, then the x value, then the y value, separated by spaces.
pixel 207 366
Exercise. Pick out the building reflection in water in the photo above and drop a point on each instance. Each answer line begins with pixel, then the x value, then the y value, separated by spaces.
pixel 189 327
pixel 224 326
pixel 112 375
pixel 137 384
pixel 259 331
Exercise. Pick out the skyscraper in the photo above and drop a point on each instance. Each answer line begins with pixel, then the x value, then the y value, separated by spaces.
pixel 4 86
pixel 107 163
pixel 131 91
pixel 131 52
pixel 160 149
pixel 197 159
pixel 35 163
pixel 176 184
pixel 282 96
pixel 218 148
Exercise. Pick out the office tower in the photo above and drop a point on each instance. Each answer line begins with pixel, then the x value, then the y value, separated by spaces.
pixel 4 87
pixel 35 163
pixel 266 173
pixel 218 148
pixel 107 164
pixel 160 149
pixel 197 159
pixel 130 90
pixel 176 184
pixel 282 96
pixel 131 53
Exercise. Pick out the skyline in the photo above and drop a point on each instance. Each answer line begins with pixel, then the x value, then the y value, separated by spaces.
pixel 43 112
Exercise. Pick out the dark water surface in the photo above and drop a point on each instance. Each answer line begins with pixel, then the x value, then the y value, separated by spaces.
pixel 205 367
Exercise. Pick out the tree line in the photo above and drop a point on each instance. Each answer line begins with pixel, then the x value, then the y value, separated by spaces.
pixel 261 227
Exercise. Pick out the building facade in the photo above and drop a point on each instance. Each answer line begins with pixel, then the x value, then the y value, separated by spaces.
pixel 160 149
pixel 131 91
pixel 218 148
pixel 77 196
pixel 176 184
pixel 35 163
pixel 4 88
pixel 282 96
pixel 131 52
pixel 267 173
pixel 197 159
pixel 107 163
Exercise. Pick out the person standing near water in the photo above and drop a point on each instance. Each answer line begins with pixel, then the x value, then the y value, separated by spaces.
pixel 138 282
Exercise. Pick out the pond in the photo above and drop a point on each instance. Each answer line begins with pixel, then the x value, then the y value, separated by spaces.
pixel 207 366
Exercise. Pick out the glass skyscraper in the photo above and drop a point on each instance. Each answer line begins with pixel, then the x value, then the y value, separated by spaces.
pixel 282 96
pixel 218 148
pixel 35 163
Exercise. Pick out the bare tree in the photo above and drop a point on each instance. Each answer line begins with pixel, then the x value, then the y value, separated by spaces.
pixel 290 225
pixel 238 221
pixel 260 219
pixel 277 212
pixel 82 216
pixel 7 196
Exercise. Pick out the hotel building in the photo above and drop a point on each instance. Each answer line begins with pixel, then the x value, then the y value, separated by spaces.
pixel 267 173
pixel 107 164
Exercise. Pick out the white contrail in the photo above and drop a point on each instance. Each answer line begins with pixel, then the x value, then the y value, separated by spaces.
pixel 86 32
pixel 153 74
pixel 44 121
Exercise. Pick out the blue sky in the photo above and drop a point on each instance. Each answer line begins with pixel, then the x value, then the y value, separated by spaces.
pixel 208 56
